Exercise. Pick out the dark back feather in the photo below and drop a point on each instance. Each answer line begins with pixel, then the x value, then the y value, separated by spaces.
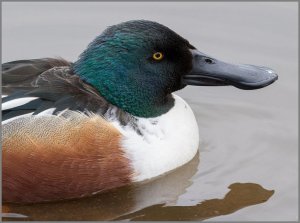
pixel 55 85
pixel 17 75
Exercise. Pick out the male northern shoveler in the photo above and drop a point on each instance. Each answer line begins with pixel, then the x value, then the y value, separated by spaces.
pixel 110 118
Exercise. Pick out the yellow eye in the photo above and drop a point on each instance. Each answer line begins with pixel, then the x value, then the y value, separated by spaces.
pixel 158 56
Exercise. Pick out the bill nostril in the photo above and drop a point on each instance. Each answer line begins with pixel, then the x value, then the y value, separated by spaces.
pixel 208 60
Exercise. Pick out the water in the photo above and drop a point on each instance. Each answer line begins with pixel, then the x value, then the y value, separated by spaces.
pixel 249 138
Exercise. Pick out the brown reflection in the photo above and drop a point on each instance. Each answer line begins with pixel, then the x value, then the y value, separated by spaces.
pixel 240 195
pixel 110 205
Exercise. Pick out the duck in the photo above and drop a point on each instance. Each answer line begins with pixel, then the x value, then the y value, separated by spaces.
pixel 109 119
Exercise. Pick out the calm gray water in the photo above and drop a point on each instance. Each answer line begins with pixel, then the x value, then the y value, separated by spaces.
pixel 249 138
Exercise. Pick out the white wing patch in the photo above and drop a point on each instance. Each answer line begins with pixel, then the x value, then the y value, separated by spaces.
pixel 48 111
pixel 17 102
pixel 17 117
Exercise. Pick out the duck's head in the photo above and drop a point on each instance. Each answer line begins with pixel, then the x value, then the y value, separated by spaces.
pixel 136 65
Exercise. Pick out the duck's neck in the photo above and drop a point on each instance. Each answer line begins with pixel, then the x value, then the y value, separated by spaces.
pixel 137 101
pixel 141 101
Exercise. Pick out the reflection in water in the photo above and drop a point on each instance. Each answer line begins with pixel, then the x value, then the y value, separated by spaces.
pixel 240 195
pixel 144 202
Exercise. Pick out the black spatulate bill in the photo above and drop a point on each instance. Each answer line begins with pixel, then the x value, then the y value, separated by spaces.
pixel 208 71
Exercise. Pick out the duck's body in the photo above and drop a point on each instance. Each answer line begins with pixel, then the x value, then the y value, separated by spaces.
pixel 109 119
pixel 82 145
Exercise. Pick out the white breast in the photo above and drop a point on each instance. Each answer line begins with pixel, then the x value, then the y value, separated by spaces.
pixel 166 142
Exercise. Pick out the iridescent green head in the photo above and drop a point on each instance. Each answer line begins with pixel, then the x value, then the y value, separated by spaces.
pixel 136 65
